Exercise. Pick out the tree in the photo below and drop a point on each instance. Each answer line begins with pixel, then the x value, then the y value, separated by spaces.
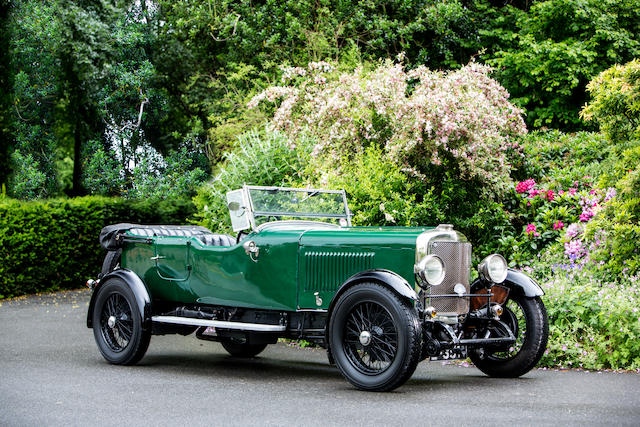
pixel 5 95
pixel 33 43
pixel 558 47
pixel 84 56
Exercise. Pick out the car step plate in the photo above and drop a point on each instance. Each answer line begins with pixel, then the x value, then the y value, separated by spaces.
pixel 258 327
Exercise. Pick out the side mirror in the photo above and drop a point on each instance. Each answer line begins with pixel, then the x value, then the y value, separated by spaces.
pixel 234 206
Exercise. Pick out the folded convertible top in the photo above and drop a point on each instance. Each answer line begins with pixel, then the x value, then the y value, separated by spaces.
pixel 110 241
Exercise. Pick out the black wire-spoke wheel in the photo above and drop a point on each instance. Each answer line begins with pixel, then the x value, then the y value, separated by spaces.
pixel 370 338
pixel 118 324
pixel 514 318
pixel 375 337
pixel 527 320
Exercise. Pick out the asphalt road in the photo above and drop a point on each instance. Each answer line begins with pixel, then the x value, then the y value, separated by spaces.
pixel 52 374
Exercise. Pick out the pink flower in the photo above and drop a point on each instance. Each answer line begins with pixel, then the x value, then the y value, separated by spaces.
pixel 559 225
pixel 533 192
pixel 611 193
pixel 531 230
pixel 586 215
pixel 550 195
pixel 524 186
pixel 561 192
pixel 573 230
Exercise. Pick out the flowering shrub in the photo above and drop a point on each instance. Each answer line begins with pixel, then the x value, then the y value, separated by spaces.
pixel 544 212
pixel 420 117
pixel 593 325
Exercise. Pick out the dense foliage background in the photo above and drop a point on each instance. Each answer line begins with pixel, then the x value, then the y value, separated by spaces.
pixel 517 121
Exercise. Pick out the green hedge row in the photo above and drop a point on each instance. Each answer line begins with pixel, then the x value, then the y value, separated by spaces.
pixel 52 245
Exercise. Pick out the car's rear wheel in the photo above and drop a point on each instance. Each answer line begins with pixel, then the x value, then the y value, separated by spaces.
pixel 244 350
pixel 527 319
pixel 117 324
pixel 375 337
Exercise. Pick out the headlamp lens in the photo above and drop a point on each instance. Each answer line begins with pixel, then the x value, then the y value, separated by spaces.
pixel 431 270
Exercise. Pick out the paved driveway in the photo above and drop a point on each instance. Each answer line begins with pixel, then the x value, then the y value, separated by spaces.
pixel 52 374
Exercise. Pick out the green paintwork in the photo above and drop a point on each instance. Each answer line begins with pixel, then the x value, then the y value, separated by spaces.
pixel 295 261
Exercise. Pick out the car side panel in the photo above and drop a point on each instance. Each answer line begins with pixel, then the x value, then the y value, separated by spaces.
pixel 327 258
pixel 228 276
pixel 191 272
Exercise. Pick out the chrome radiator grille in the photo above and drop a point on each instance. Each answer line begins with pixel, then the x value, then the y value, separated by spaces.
pixel 457 262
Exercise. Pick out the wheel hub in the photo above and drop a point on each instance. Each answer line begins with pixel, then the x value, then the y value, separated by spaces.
pixel 365 338
pixel 111 322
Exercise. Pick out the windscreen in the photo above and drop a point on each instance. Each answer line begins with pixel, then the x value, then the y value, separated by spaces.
pixel 271 203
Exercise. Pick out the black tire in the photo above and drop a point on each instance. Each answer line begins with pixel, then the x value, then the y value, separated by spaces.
pixel 243 350
pixel 393 335
pixel 118 324
pixel 111 262
pixel 527 318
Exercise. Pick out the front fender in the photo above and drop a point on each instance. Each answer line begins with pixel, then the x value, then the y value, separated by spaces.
pixel 518 282
pixel 387 278
pixel 143 301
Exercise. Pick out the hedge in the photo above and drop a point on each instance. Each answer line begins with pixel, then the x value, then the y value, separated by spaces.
pixel 52 245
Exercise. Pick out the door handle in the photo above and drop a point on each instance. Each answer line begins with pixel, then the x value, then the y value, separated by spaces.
pixel 252 250
pixel 157 257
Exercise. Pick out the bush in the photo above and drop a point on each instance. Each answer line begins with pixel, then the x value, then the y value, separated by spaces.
pixel 615 103
pixel 558 159
pixel 593 324
pixel 265 157
pixel 424 120
pixel 379 193
pixel 560 181
pixel 52 245
pixel 27 181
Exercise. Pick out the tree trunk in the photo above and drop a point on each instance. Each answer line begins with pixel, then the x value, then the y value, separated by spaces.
pixel 77 188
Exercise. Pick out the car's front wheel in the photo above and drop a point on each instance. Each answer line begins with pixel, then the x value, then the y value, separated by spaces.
pixel 527 319
pixel 117 324
pixel 374 337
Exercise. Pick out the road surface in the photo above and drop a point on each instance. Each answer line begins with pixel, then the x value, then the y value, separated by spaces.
pixel 52 374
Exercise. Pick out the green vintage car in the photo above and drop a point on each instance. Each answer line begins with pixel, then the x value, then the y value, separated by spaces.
pixel 379 299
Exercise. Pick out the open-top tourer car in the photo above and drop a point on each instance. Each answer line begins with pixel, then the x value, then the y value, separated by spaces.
pixel 379 299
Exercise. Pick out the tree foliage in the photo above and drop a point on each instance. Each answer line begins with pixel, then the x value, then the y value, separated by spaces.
pixel 615 103
pixel 6 137
pixel 557 48
pixel 128 79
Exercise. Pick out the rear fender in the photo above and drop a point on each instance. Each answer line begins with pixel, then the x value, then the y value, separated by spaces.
pixel 143 301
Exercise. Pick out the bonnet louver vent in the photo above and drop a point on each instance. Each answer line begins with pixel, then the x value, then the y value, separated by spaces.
pixel 326 271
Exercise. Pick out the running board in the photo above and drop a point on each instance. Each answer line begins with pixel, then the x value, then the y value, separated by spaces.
pixel 259 327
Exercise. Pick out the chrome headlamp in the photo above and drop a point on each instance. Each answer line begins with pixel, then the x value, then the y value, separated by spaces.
pixel 493 268
pixel 430 271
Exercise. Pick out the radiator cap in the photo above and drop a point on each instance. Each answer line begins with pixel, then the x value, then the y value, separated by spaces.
pixel 445 227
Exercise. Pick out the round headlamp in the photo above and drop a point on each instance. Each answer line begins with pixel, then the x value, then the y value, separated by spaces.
pixel 493 268
pixel 430 270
